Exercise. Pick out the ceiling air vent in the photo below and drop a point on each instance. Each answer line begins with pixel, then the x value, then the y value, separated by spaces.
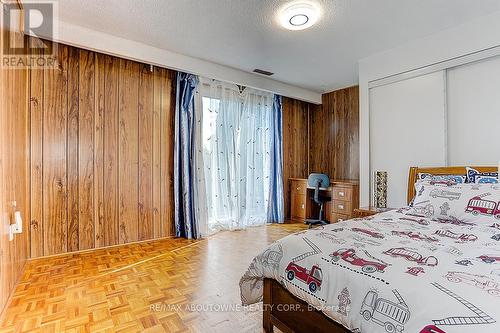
pixel 263 72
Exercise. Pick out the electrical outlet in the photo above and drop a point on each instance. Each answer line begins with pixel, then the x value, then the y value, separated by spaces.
pixel 17 227
pixel 14 229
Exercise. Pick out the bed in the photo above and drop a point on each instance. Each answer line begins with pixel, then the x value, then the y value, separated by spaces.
pixel 391 272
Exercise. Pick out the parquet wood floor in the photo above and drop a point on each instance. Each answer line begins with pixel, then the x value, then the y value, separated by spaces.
pixel 158 286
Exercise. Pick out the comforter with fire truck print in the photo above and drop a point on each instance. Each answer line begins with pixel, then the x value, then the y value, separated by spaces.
pixel 390 272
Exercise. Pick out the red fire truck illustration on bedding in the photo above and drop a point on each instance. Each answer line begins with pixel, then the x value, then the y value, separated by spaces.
pixel 458 237
pixel 412 255
pixel 371 265
pixel 311 277
pixel 489 259
pixel 371 233
pixel 478 205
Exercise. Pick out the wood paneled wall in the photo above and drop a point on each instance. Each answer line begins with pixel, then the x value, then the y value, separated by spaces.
pixel 101 152
pixel 295 143
pixel 321 138
pixel 14 157
pixel 334 135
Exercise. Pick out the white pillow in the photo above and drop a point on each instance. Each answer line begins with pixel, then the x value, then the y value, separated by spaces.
pixel 465 202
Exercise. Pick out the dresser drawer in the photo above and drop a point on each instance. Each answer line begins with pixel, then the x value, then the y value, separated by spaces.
pixel 338 217
pixel 342 193
pixel 298 208
pixel 298 187
pixel 342 207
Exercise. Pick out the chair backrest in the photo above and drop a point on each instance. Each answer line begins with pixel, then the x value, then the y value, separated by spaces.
pixel 315 178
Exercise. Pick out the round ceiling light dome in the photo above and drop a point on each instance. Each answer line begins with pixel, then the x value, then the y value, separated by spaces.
pixel 299 15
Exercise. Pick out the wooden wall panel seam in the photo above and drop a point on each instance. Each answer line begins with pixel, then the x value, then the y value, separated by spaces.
pixel 29 219
pixel 99 150
pixel 152 154
pixel 72 161
pixel 152 149
pixel 156 151
pixel 118 170
pixel 138 157
pixel 97 146
pixel 138 171
pixel 36 98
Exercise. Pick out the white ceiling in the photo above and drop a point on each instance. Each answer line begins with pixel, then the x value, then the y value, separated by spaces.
pixel 244 34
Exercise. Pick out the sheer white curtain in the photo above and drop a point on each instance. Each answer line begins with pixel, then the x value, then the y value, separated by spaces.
pixel 235 148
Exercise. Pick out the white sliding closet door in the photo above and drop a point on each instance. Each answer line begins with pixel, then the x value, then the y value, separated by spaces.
pixel 474 113
pixel 407 122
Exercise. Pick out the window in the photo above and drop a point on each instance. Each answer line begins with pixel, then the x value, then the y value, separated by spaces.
pixel 236 156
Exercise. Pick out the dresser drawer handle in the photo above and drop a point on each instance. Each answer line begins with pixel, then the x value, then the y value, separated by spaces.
pixel 340 206
pixel 340 220
pixel 302 206
pixel 341 194
pixel 298 188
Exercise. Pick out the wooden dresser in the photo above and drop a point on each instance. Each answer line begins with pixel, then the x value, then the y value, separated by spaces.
pixel 369 211
pixel 344 196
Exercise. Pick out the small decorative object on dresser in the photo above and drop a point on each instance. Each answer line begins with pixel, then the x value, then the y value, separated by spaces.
pixel 380 189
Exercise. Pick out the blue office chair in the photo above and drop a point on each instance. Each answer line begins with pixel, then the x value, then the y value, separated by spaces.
pixel 318 181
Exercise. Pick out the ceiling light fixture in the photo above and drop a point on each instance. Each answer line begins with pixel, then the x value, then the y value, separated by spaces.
pixel 299 15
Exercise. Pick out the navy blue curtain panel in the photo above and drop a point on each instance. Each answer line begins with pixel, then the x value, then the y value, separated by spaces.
pixel 184 174
pixel 276 209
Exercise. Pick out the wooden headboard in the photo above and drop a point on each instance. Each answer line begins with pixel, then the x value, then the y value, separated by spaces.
pixel 457 170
